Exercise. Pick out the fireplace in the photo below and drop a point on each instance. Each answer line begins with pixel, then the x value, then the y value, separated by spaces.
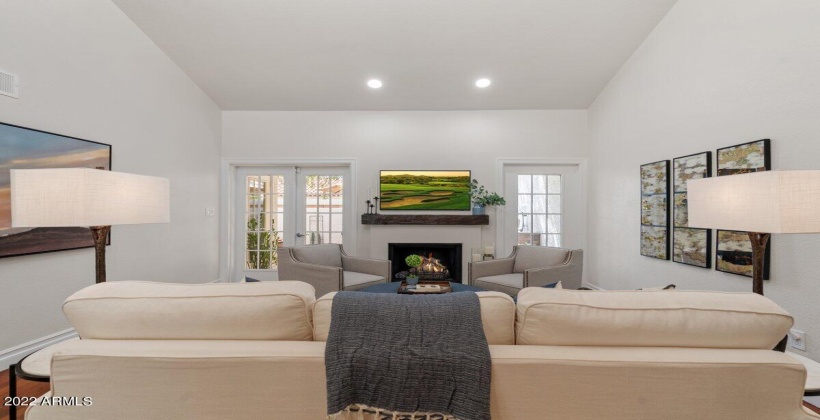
pixel 440 261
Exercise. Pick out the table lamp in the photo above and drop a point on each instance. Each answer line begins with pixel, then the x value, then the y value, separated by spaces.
pixel 72 197
pixel 760 203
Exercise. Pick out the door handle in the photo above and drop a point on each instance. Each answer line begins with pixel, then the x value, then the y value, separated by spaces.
pixel 300 235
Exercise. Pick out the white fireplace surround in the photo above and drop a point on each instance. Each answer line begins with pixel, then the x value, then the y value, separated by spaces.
pixel 468 236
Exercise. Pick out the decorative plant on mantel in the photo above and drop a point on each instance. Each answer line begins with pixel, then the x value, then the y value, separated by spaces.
pixel 482 198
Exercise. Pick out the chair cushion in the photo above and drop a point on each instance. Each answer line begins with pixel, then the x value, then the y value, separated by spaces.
pixel 328 255
pixel 352 278
pixel 551 317
pixel 528 257
pixel 497 315
pixel 132 310
pixel 510 280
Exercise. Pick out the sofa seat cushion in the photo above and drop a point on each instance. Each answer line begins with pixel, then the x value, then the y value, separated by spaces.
pixel 329 255
pixel 515 280
pixel 528 257
pixel 554 317
pixel 131 310
pixel 497 316
pixel 353 278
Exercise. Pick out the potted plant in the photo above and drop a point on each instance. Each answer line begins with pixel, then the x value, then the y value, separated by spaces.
pixel 413 261
pixel 482 198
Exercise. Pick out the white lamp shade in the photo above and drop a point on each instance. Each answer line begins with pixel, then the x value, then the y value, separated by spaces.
pixel 86 197
pixel 764 202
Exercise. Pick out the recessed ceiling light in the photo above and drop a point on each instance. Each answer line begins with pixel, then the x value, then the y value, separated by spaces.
pixel 482 83
pixel 374 83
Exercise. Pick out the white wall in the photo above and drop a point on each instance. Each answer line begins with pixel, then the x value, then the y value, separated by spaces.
pixel 88 71
pixel 714 73
pixel 472 140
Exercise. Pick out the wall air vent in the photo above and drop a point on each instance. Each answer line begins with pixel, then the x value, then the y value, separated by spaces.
pixel 9 84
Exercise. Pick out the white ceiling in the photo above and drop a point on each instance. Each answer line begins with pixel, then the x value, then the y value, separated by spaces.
pixel 317 55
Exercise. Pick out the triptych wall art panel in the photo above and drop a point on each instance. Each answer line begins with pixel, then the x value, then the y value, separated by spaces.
pixel 689 246
pixel 693 246
pixel 734 249
pixel 655 210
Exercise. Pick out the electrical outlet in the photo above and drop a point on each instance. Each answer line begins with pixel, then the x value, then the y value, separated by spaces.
pixel 797 339
pixel 210 211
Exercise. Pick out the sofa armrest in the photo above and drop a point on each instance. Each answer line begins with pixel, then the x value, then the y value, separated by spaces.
pixel 496 267
pixel 323 278
pixel 367 266
pixel 569 276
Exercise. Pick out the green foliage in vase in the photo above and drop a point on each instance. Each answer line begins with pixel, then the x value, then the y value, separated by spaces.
pixel 481 196
pixel 267 240
pixel 413 261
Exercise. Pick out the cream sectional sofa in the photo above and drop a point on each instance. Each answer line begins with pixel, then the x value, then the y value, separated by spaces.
pixel 255 351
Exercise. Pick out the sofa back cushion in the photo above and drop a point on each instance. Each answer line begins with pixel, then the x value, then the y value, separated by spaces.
pixel 528 257
pixel 497 315
pixel 131 310
pixel 649 319
pixel 328 255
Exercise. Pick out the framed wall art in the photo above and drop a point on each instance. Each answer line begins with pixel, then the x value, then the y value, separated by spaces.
pixel 424 190
pixel 734 249
pixel 25 148
pixel 734 254
pixel 743 158
pixel 655 210
pixel 689 246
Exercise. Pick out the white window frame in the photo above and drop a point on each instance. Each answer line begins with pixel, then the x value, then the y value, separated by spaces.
pixel 502 163
pixel 227 206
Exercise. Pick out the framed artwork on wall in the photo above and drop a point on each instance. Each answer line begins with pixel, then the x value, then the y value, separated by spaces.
pixel 689 246
pixel 734 254
pixel 655 210
pixel 734 249
pixel 424 190
pixel 25 148
pixel 744 158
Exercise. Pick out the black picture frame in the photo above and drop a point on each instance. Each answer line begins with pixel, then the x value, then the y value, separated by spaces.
pixel 742 256
pixel 655 231
pixel 766 145
pixel 382 201
pixel 680 222
pixel 765 154
pixel 44 240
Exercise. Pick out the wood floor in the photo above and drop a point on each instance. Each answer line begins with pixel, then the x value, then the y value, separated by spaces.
pixel 35 389
pixel 24 389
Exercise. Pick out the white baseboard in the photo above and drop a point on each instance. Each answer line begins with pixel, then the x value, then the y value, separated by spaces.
pixel 15 354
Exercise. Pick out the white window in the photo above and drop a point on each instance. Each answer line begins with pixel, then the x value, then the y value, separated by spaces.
pixel 264 220
pixel 545 207
pixel 539 210
pixel 286 206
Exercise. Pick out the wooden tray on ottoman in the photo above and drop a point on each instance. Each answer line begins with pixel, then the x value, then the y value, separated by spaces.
pixel 444 287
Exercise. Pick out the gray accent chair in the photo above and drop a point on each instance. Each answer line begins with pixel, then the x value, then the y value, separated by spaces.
pixel 529 266
pixel 329 269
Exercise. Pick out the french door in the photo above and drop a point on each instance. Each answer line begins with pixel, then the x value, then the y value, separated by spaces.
pixel 286 206
pixel 544 207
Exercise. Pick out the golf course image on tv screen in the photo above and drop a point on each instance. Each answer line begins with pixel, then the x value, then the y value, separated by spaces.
pixel 424 190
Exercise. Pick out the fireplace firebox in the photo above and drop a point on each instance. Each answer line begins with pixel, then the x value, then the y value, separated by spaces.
pixel 440 261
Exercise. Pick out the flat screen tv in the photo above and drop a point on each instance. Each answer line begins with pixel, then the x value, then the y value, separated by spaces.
pixel 424 190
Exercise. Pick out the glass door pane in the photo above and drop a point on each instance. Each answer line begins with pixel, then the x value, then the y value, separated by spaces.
pixel 265 222
pixel 324 208
pixel 262 220
pixel 539 209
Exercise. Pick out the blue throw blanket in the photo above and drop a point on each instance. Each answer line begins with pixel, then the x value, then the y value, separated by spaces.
pixel 404 355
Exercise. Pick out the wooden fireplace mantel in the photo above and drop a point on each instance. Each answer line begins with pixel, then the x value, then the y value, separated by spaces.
pixel 425 219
